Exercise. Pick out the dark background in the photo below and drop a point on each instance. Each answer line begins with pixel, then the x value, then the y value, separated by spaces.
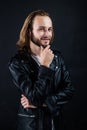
pixel 70 26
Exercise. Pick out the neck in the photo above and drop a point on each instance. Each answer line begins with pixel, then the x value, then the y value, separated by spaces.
pixel 34 49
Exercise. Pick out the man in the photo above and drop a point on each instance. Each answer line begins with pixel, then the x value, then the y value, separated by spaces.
pixel 40 74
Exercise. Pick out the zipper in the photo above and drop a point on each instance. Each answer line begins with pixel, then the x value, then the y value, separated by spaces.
pixel 26 115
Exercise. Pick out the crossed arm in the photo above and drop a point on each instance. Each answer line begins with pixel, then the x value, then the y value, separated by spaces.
pixel 35 97
pixel 26 104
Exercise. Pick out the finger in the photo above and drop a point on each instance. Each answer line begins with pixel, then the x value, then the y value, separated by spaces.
pixel 47 47
pixel 49 50
pixel 22 95
pixel 42 48
pixel 26 106
pixel 23 99
pixel 32 106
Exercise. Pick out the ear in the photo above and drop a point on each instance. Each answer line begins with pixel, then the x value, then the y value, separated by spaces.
pixel 29 32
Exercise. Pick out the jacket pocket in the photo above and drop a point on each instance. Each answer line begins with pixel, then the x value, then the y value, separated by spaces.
pixel 27 122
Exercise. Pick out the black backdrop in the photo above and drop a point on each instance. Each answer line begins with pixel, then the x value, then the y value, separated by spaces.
pixel 70 27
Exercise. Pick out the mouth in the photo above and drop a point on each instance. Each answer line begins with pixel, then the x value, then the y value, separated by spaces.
pixel 46 40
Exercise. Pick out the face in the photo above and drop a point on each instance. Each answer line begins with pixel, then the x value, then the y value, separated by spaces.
pixel 42 31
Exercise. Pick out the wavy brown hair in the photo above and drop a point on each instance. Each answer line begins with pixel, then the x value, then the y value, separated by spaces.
pixel 28 24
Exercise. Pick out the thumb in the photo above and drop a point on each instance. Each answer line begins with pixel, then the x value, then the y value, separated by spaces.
pixel 42 48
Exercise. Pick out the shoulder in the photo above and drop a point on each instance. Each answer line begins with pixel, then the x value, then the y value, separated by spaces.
pixel 59 56
pixel 18 57
pixel 57 53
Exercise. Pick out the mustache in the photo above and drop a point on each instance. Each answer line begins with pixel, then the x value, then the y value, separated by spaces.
pixel 45 38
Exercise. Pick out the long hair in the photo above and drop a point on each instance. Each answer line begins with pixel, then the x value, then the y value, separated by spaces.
pixel 28 23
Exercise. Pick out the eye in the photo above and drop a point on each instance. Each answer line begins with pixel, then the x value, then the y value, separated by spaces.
pixel 50 29
pixel 41 29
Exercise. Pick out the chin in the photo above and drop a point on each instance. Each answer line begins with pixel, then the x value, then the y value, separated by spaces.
pixel 45 44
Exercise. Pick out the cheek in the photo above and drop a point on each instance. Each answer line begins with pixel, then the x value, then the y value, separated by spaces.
pixel 51 34
pixel 38 34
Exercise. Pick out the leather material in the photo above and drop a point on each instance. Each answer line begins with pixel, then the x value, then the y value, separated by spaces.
pixel 40 84
pixel 40 119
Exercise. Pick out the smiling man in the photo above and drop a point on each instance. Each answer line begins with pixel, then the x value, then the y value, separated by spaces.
pixel 40 74
pixel 41 33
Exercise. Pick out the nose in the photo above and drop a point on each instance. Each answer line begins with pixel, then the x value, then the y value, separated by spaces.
pixel 46 32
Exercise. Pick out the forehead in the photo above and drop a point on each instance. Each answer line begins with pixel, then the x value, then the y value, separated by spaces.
pixel 42 21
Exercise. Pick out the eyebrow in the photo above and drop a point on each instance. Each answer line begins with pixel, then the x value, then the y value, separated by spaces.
pixel 45 26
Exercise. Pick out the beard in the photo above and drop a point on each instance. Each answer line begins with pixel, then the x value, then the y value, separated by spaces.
pixel 38 42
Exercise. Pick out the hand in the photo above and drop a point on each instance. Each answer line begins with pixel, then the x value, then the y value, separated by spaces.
pixel 46 56
pixel 25 103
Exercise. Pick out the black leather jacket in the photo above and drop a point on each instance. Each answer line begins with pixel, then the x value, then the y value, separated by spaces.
pixel 40 84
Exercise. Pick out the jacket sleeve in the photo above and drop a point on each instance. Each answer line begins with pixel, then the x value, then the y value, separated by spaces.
pixel 64 93
pixel 35 92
